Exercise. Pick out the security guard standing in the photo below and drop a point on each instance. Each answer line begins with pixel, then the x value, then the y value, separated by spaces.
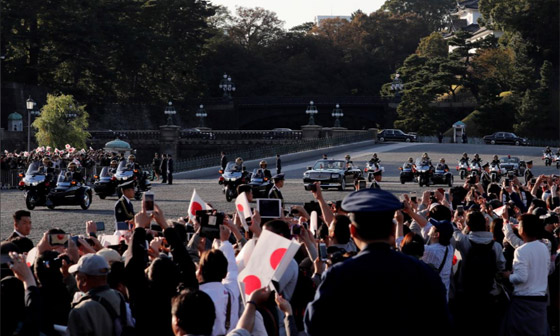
pixel 275 190
pixel 485 176
pixel 124 210
pixel 377 274
pixel 528 173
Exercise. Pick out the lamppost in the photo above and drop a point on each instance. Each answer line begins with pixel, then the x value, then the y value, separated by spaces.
pixel 311 110
pixel 30 105
pixel 170 111
pixel 397 85
pixel 227 85
pixel 337 113
pixel 201 114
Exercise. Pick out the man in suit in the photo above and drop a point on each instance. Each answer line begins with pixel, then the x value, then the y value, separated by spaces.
pixel 124 210
pixel 170 169
pixel 278 164
pixel 528 173
pixel 223 160
pixel 377 274
pixel 163 168
pixel 278 184
pixel 22 224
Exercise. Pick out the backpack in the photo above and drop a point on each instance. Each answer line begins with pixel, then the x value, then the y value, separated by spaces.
pixel 120 324
pixel 479 269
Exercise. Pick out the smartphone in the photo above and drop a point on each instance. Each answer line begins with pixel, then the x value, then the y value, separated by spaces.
pixel 75 240
pixel 155 227
pixel 446 195
pixel 506 181
pixel 100 226
pixel 123 226
pixel 311 187
pixel 296 230
pixel 460 210
pixel 148 200
pixel 362 184
pixel 323 251
pixel 413 196
pixel 59 239
pixel 533 180
pixel 5 259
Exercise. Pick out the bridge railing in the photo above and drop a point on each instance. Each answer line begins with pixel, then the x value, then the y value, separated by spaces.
pixel 241 135
pixel 268 151
pixel 479 141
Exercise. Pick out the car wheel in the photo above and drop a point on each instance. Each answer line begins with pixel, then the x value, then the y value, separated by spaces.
pixel 402 180
pixel 407 139
pixel 381 139
pixel 517 143
pixel 493 142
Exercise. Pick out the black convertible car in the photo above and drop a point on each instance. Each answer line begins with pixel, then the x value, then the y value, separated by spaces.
pixel 332 174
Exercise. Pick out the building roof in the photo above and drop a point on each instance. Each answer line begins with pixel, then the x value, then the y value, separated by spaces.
pixel 117 144
pixel 15 116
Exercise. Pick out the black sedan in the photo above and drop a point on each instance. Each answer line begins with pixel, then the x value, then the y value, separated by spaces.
pixel 395 135
pixel 507 138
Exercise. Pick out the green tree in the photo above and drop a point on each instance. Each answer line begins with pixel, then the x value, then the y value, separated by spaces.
pixel 254 27
pixel 433 12
pixel 433 45
pixel 62 121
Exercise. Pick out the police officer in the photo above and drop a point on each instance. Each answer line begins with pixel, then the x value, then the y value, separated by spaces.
pixel 464 158
pixel 113 167
pixel 476 160
pixel 442 165
pixel 374 159
pixel 278 184
pixel 163 168
pixel 377 274
pixel 73 173
pixel 278 164
pixel 124 210
pixel 264 170
pixel 377 175
pixel 485 176
pixel 528 173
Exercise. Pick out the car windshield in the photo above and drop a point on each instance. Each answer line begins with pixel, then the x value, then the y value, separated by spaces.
pixel 33 168
pixel 105 172
pixel 509 160
pixel 329 164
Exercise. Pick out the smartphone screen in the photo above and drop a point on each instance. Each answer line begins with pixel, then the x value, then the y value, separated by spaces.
pixel 323 251
pixel 100 226
pixel 362 184
pixel 460 209
pixel 149 202
pixel 58 239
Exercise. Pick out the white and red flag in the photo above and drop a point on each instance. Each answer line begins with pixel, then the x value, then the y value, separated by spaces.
pixel 270 259
pixel 197 204
pixel 243 209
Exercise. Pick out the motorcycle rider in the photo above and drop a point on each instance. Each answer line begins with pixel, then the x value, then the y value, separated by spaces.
pixel 442 165
pixel 133 165
pixel 496 162
pixel 477 160
pixel 426 159
pixel 374 159
pixel 547 151
pixel 113 167
pixel 263 169
pixel 410 164
pixel 73 174
pixel 464 158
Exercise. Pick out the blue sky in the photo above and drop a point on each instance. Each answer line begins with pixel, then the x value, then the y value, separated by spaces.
pixel 295 12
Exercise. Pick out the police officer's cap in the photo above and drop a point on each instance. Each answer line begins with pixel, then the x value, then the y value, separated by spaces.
pixel 485 165
pixel 530 162
pixel 371 200
pixel 377 172
pixel 278 177
pixel 127 185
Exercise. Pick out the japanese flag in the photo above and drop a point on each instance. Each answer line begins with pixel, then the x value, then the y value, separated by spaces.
pixel 499 211
pixel 197 204
pixel 243 209
pixel 270 259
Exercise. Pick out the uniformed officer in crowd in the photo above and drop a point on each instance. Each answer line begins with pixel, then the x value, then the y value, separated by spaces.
pixel 485 176
pixel 528 173
pixel 370 292
pixel 377 175
pixel 278 184
pixel 278 164
pixel 124 210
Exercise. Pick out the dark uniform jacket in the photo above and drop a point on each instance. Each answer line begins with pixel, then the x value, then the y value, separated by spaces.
pixel 275 193
pixel 528 175
pixel 223 162
pixel 365 296
pixel 123 210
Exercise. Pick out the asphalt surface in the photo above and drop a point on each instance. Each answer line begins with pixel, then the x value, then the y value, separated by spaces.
pixel 174 199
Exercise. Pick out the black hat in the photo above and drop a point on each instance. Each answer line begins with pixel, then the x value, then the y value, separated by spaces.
pixel 371 200
pixel 550 218
pixel 377 172
pixel 485 165
pixel 529 162
pixel 278 177
pixel 127 185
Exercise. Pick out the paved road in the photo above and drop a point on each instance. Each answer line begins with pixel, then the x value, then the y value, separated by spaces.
pixel 173 199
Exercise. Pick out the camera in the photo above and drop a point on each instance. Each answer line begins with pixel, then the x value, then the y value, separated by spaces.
pixel 296 229
pixel 311 187
pixel 210 222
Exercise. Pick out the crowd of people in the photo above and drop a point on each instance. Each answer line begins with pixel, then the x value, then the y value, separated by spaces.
pixel 472 259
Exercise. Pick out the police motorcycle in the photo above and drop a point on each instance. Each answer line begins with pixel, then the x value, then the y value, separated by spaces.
pixel 442 175
pixel 496 172
pixel 371 168
pixel 127 172
pixel 37 185
pixel 70 190
pixel 557 160
pixel 463 168
pixel 260 183
pixel 232 176
pixel 423 172
pixel 407 173
pixel 547 157
pixel 105 183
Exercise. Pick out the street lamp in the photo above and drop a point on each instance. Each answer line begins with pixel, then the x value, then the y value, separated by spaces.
pixel 337 113
pixel 170 111
pixel 201 114
pixel 311 110
pixel 397 85
pixel 30 105
pixel 227 85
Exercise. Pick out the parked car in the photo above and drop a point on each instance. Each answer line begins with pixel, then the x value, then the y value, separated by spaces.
pixel 395 135
pixel 332 174
pixel 505 138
